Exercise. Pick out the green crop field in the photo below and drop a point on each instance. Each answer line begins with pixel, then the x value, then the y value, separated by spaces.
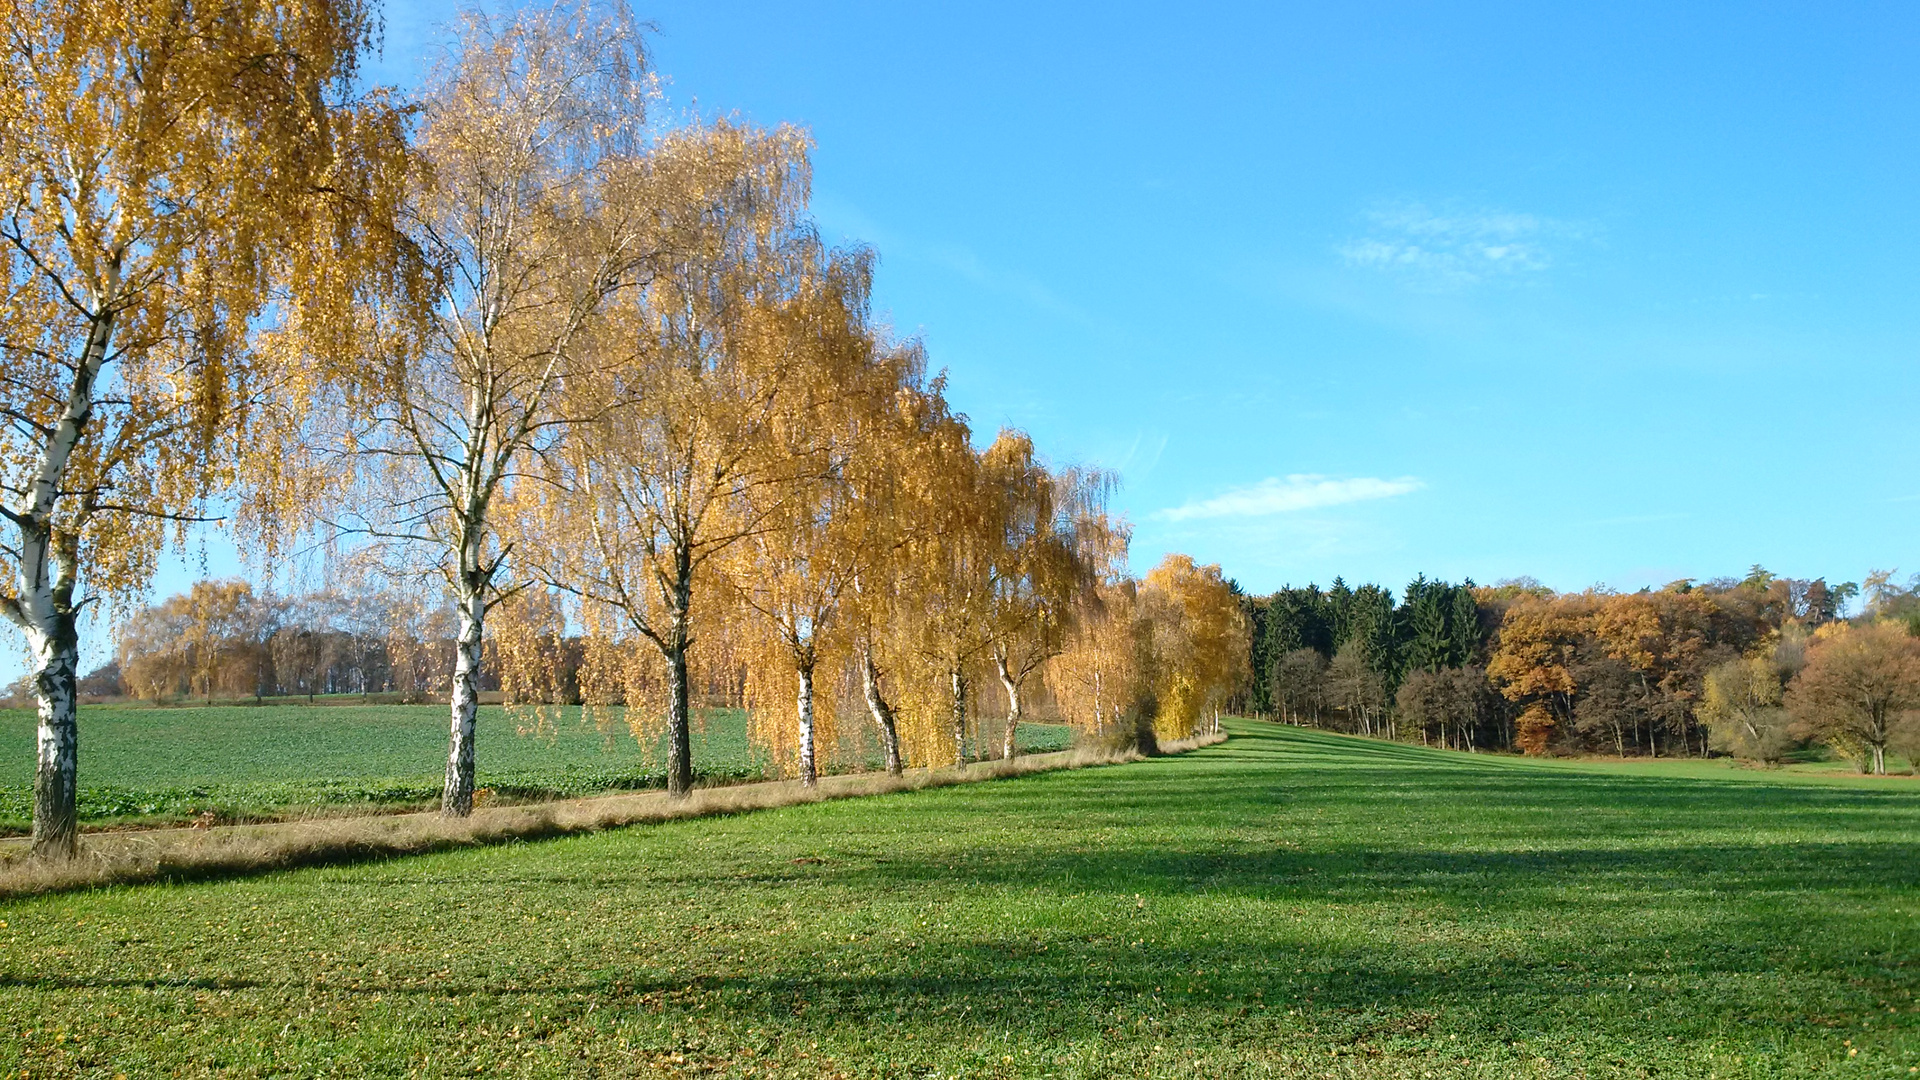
pixel 245 762
pixel 1289 903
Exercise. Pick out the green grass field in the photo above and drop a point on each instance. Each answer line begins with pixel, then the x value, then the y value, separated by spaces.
pixel 1287 904
pixel 157 765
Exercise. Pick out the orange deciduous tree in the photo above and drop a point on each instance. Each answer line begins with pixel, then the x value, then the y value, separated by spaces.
pixel 1200 641
pixel 1664 637
pixel 1533 664
pixel 884 618
pixel 1859 684
pixel 1096 677
pixel 526 205
pixel 677 458
pixel 813 535
pixel 1052 535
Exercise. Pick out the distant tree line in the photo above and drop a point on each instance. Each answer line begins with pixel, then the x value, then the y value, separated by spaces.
pixel 226 640
pixel 1754 666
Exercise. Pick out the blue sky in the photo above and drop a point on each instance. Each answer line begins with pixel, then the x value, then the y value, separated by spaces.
pixel 1368 289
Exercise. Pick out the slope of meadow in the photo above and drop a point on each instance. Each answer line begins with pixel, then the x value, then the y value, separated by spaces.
pixel 1286 904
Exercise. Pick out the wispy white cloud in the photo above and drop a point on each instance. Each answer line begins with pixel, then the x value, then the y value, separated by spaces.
pixel 1640 519
pixel 841 216
pixel 975 270
pixel 1300 491
pixel 1142 455
pixel 1453 249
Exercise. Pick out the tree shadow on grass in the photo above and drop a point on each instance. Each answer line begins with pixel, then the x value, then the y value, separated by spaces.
pixel 1653 930
pixel 1258 986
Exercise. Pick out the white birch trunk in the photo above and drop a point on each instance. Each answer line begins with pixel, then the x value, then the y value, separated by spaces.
pixel 44 611
pixel 456 798
pixel 42 606
pixel 882 713
pixel 959 687
pixel 472 580
pixel 56 817
pixel 809 770
pixel 52 633
pixel 1013 705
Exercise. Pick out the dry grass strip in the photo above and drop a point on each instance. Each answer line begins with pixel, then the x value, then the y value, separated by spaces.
pixel 119 858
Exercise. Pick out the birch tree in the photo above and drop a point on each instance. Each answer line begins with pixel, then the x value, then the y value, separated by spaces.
pixel 1050 525
pixel 697 373
pixel 152 649
pixel 903 511
pixel 165 166
pixel 1095 677
pixel 216 610
pixel 524 206
pixel 1200 642
pixel 954 562
pixel 818 533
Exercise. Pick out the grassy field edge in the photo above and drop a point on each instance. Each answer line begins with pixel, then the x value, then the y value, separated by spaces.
pixel 156 855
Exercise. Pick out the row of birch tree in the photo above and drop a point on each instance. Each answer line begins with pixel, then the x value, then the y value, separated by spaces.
pixel 596 374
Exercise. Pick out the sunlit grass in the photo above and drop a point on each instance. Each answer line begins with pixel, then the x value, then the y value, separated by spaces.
pixel 1289 904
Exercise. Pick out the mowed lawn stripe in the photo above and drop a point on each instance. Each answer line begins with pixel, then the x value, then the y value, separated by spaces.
pixel 1289 903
